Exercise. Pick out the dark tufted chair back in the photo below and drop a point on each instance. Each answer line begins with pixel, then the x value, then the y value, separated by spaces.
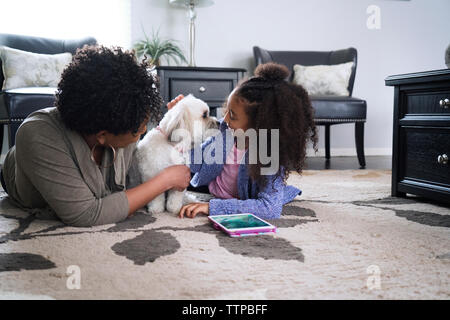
pixel 328 110
pixel 309 58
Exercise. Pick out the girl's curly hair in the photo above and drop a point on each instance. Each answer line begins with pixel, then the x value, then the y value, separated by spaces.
pixel 273 103
pixel 107 89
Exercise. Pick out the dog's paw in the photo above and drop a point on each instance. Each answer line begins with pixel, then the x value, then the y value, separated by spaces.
pixel 174 206
pixel 155 207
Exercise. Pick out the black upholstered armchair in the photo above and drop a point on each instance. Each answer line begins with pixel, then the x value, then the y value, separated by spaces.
pixel 17 104
pixel 329 110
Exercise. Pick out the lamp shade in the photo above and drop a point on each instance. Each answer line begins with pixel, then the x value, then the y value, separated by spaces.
pixel 195 3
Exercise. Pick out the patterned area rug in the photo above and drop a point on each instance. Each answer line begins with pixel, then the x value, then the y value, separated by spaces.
pixel 343 238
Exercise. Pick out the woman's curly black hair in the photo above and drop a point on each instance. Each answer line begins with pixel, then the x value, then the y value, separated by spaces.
pixel 273 103
pixel 107 89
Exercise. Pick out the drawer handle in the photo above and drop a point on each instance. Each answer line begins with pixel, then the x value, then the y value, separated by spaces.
pixel 444 103
pixel 443 159
pixel 203 89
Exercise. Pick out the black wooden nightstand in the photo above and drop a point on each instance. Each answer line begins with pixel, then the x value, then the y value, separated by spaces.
pixel 212 85
pixel 421 136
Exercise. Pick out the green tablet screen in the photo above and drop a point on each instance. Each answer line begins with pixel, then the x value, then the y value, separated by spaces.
pixel 240 221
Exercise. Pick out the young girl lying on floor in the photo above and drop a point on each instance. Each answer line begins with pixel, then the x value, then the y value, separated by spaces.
pixel 265 101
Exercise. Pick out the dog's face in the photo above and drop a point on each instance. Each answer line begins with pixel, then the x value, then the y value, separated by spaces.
pixel 189 122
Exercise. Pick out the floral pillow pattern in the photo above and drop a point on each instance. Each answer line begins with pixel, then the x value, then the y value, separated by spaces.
pixel 324 79
pixel 23 69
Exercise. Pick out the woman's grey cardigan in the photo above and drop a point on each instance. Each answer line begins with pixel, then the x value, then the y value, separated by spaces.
pixel 49 173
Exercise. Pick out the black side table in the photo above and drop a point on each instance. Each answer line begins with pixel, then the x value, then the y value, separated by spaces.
pixel 421 134
pixel 212 85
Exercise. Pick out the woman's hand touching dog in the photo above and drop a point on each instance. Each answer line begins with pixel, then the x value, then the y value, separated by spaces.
pixel 173 102
pixel 178 176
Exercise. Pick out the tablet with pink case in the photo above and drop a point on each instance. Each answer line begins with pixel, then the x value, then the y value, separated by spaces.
pixel 241 224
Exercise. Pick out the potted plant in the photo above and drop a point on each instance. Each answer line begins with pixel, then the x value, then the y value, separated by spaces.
pixel 156 48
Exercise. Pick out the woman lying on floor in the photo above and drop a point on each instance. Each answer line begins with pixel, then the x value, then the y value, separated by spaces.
pixel 71 161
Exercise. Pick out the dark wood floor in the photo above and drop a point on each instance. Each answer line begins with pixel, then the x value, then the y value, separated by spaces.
pixel 348 163
pixel 343 163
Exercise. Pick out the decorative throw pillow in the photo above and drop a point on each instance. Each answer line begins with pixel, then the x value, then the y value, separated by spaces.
pixel 26 69
pixel 324 79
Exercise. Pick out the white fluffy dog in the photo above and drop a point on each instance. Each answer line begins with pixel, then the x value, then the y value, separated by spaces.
pixel 182 127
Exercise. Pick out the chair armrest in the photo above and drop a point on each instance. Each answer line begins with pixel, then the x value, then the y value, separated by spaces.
pixel 19 103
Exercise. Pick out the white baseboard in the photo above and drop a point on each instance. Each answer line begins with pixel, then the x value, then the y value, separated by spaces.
pixel 349 152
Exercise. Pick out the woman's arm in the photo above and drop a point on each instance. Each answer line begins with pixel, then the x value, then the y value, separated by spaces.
pixel 44 166
pixel 177 177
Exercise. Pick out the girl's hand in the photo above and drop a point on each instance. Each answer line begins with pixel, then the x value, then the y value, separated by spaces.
pixel 191 209
pixel 172 103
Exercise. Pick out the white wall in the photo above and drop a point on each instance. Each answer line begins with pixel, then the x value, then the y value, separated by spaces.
pixel 413 37
pixel 106 20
